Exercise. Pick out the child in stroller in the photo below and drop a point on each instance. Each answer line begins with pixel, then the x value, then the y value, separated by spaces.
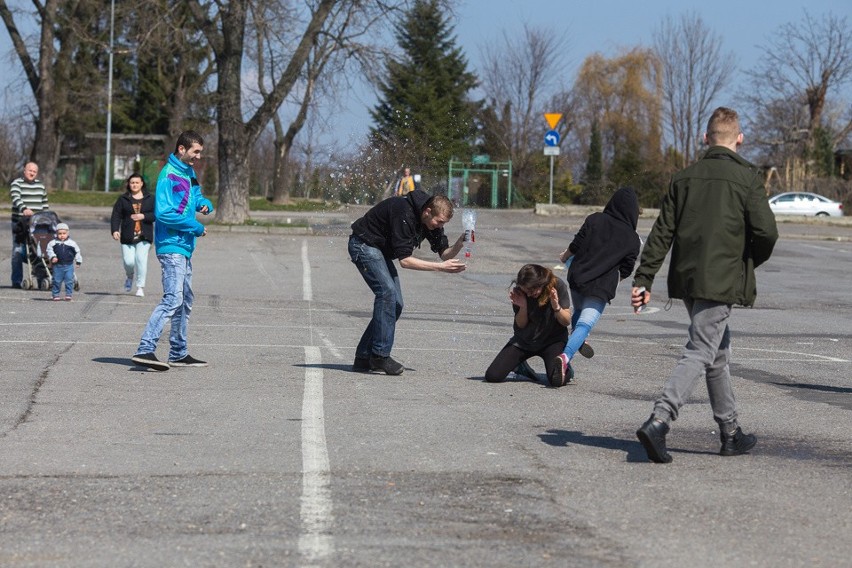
pixel 37 231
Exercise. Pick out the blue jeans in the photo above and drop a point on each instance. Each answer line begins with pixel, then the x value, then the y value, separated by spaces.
pixel 63 273
pixel 19 251
pixel 587 312
pixel 176 304
pixel 381 276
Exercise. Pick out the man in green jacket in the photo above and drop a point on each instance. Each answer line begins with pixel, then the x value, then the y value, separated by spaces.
pixel 716 220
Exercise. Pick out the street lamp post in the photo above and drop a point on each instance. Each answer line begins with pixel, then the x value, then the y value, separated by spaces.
pixel 109 97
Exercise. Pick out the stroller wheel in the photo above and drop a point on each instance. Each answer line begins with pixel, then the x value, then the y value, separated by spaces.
pixel 44 284
pixel 26 283
pixel 76 284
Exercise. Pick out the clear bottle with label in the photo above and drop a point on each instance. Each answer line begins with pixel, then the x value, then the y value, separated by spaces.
pixel 469 226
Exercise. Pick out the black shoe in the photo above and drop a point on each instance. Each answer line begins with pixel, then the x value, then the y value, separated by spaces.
pixel 737 443
pixel 586 350
pixel 16 285
pixel 150 361
pixel 524 370
pixel 361 365
pixel 388 365
pixel 652 434
pixel 188 361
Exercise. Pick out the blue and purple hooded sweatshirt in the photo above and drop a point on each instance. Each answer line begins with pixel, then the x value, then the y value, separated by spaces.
pixel 177 200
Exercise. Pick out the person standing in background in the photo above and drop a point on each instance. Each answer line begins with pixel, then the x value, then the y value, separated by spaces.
pixel 406 183
pixel 28 196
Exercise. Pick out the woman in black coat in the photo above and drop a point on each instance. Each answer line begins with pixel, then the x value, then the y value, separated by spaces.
pixel 132 224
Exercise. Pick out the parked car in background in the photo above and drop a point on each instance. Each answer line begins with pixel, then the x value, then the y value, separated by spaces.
pixel 803 203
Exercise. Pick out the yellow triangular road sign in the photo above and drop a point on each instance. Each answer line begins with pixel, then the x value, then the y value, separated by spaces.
pixel 552 118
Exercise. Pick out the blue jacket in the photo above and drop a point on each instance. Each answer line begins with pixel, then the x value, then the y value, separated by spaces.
pixel 177 200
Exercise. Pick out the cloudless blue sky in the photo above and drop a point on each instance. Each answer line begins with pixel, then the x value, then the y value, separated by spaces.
pixel 602 26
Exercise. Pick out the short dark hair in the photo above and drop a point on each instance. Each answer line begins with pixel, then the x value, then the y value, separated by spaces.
pixel 135 175
pixel 187 138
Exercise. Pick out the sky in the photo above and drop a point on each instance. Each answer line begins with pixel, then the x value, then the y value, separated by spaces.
pixel 605 26
pixel 602 26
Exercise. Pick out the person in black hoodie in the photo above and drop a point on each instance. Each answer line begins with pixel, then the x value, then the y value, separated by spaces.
pixel 604 251
pixel 132 224
pixel 389 231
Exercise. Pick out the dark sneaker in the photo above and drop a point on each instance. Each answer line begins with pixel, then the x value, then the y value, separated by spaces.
pixel 524 370
pixel 150 361
pixel 586 350
pixel 361 365
pixel 737 443
pixel 188 361
pixel 652 434
pixel 388 365
pixel 562 372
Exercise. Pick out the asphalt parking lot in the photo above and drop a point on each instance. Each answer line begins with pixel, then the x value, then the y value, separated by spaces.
pixel 278 455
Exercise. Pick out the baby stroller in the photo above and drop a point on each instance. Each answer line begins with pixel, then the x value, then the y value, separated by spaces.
pixel 37 231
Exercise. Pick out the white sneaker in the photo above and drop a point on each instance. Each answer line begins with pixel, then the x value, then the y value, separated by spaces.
pixel 128 285
pixel 140 292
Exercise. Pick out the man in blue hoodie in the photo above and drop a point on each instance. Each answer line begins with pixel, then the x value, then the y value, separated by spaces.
pixel 177 200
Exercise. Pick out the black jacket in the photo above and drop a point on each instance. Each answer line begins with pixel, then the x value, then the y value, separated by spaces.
pixel 393 226
pixel 121 221
pixel 606 247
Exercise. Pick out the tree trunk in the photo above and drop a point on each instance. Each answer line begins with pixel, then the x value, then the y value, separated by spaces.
pixel 233 179
pixel 280 185
pixel 234 143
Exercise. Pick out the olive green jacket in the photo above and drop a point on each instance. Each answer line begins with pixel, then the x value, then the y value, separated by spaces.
pixel 716 220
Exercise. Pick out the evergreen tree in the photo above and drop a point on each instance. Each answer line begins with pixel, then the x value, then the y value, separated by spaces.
pixel 424 117
pixel 594 164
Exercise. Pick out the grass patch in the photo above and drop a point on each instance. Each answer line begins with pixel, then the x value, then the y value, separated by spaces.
pixel 107 199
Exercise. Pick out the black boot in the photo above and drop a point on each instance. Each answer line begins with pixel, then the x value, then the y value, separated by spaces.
pixel 737 443
pixel 652 434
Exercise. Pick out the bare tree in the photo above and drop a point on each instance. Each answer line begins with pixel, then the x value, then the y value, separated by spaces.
pixel 521 77
pixel 340 44
pixel 225 27
pixel 804 66
pixel 43 75
pixel 694 70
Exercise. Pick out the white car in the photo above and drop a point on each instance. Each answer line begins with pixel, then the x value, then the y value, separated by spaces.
pixel 803 203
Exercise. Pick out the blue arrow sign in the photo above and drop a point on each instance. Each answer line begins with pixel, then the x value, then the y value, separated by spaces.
pixel 551 138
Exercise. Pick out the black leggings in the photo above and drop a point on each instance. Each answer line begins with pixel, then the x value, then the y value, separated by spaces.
pixel 510 356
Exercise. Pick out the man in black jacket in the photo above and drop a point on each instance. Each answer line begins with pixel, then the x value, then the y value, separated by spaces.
pixel 389 231
pixel 716 220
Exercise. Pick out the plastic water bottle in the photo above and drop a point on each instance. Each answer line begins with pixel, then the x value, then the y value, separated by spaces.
pixel 469 225
pixel 569 261
pixel 638 309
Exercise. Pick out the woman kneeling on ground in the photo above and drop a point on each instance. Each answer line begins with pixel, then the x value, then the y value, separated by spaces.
pixel 541 303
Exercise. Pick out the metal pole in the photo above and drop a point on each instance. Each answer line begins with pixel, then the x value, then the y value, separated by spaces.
pixel 551 180
pixel 107 176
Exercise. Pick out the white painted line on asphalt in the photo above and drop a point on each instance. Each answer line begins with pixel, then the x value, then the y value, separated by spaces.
pixel 335 352
pixel 307 293
pixel 315 543
pixel 256 258
pixel 808 355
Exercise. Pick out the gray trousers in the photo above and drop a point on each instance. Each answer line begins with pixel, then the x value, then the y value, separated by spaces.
pixel 707 352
